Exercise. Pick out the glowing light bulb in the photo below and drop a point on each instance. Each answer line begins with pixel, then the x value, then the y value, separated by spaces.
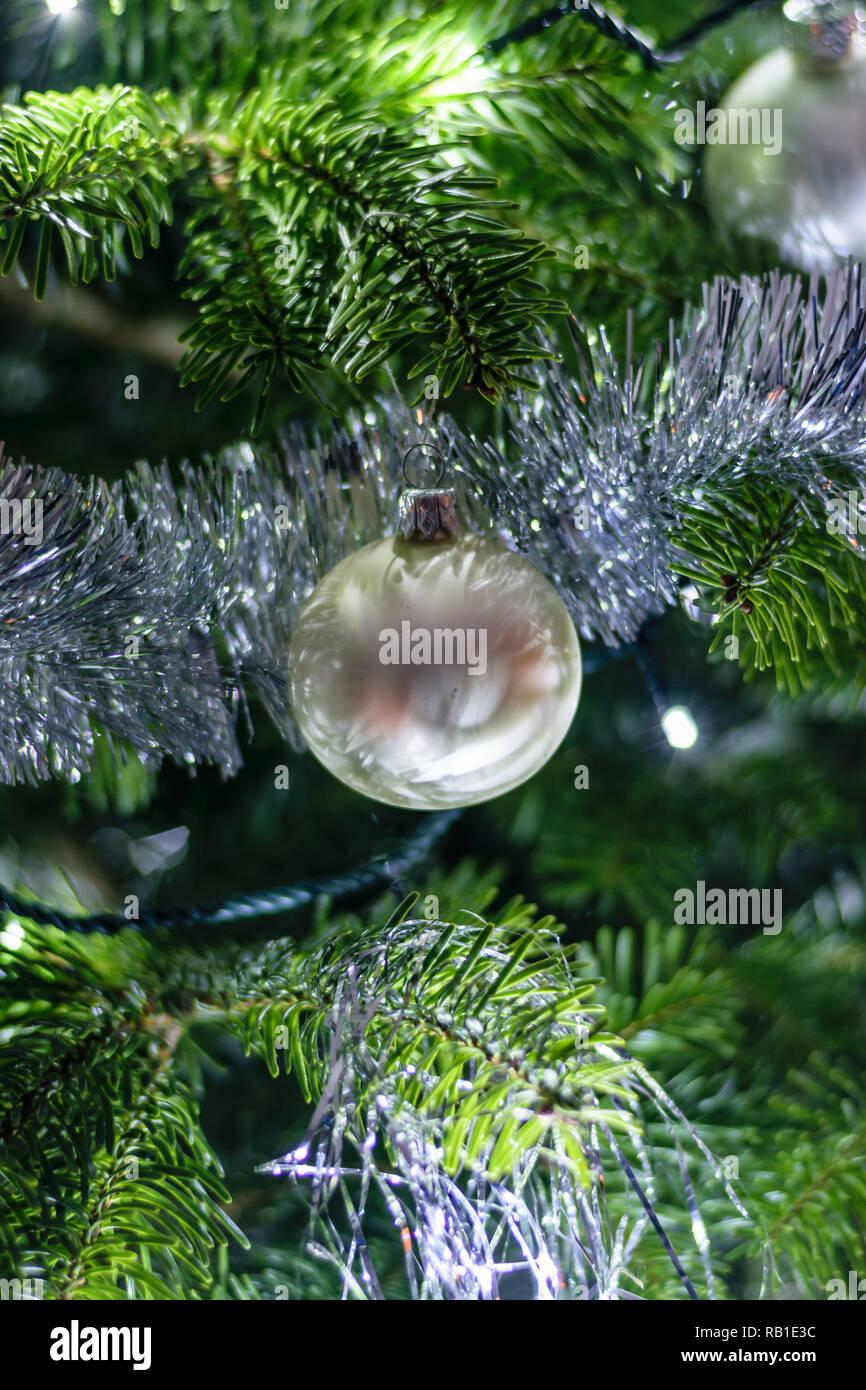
pixel 467 72
pixel 680 729
pixel 12 935
pixel 61 6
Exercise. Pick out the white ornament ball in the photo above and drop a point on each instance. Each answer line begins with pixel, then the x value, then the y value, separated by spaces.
pixel 432 674
pixel 808 198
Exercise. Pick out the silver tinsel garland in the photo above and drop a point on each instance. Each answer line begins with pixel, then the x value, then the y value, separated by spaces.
pixel 148 610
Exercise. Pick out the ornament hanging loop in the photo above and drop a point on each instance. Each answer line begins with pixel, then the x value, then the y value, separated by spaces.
pixel 432 449
pixel 427 513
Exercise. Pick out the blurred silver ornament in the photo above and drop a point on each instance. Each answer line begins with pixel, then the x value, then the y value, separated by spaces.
pixel 432 669
pixel 786 150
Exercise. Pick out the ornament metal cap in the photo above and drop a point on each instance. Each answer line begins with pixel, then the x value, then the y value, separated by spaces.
pixel 427 513
pixel 823 31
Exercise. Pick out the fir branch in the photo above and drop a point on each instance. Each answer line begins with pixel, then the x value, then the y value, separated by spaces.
pixel 386 192
pixel 71 1277
pixel 763 557
pixel 57 1070
pixel 846 1156
pixel 504 1070
pixel 92 167
pixel 108 1190
pixel 407 243
pixel 468 1045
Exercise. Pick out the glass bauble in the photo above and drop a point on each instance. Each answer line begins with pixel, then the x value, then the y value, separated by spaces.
pixel 433 674
pixel 809 199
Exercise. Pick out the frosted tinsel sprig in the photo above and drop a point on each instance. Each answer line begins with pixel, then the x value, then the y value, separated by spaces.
pixel 510 1158
pixel 148 610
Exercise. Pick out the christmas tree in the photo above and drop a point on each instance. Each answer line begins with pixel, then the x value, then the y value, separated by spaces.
pixel 490 998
